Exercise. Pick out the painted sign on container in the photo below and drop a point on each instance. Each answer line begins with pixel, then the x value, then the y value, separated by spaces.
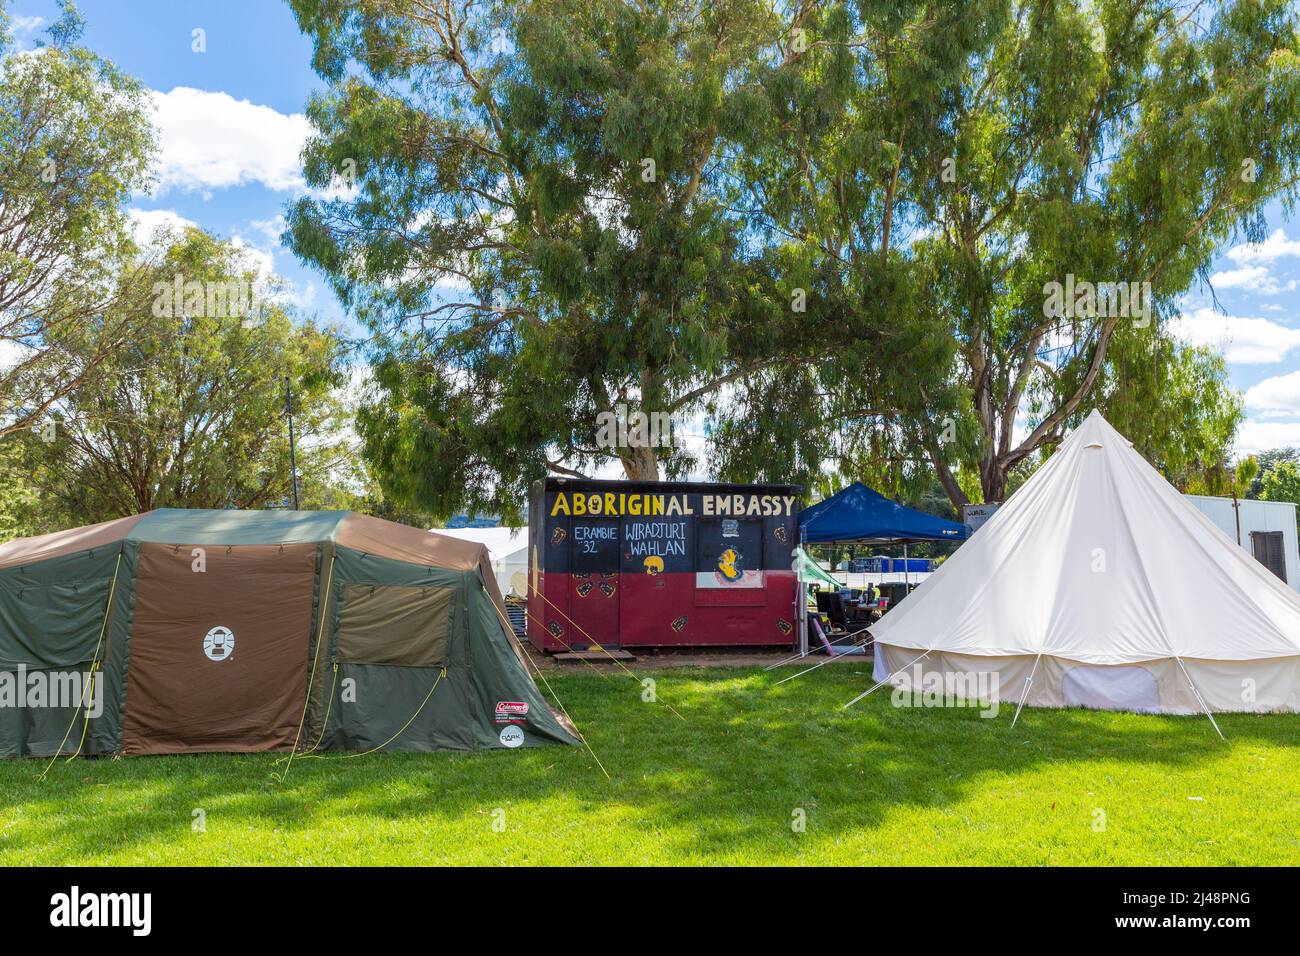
pixel 641 563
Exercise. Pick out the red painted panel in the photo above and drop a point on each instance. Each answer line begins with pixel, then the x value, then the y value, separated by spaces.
pixel 662 611
pixel 557 629
pixel 733 597
pixel 593 610
pixel 549 628
pixel 665 611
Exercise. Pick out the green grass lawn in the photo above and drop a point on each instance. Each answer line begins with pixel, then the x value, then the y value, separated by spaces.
pixel 877 784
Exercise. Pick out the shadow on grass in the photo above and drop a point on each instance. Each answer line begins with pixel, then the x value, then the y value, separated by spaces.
pixel 721 784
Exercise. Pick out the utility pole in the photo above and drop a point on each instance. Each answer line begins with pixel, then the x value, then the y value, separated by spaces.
pixel 293 461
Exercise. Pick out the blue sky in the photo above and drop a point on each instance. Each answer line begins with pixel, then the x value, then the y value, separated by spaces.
pixel 230 119
pixel 231 124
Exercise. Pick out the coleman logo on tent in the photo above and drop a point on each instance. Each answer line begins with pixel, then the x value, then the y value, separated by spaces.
pixel 219 643
pixel 512 736
pixel 510 711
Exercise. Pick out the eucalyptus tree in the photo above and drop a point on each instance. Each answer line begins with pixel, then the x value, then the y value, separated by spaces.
pixel 529 210
pixel 191 412
pixel 75 140
pixel 1027 189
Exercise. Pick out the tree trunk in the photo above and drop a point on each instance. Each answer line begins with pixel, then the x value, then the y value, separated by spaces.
pixel 993 480
pixel 946 478
pixel 640 464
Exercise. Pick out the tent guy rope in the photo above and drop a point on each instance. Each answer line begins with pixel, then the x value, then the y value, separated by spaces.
pixel 882 683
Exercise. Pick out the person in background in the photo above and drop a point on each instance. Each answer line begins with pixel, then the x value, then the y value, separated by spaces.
pixel 871 593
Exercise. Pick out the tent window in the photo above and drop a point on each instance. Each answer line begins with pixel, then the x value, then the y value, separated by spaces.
pixel 1269 551
pixel 404 626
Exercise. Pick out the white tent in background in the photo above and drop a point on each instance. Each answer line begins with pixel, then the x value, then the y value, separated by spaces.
pixel 1098 585
pixel 507 549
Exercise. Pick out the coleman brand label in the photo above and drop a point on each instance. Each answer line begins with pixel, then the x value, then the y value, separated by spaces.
pixel 511 711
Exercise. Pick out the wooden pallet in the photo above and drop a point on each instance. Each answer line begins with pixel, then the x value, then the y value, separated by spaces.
pixel 595 655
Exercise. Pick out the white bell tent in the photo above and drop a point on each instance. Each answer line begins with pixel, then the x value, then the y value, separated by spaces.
pixel 1096 584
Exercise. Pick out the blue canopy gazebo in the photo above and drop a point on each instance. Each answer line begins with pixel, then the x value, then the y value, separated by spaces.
pixel 857 513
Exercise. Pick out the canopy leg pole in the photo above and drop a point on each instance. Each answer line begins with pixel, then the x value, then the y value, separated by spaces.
pixel 907 577
pixel 1024 696
pixel 801 596
pixel 1201 700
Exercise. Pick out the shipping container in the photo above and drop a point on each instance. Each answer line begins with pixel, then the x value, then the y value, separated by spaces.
pixel 660 564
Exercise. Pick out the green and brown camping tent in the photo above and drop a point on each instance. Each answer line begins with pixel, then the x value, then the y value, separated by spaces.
pixel 258 630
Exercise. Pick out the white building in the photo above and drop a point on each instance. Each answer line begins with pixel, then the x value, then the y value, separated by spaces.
pixel 1268 531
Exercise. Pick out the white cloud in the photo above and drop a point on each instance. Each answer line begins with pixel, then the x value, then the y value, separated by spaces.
pixel 261 260
pixel 10 354
pixel 1245 340
pixel 269 229
pixel 1279 395
pixel 273 286
pixel 212 141
pixel 1253 279
pixel 1242 278
pixel 1276 246
pixel 1254 437
pixel 610 469
pixel 146 222
pixel 300 297
pixel 22 25
pixel 1254 262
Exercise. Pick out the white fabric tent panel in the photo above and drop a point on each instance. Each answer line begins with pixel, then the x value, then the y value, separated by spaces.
pixel 1264 686
pixel 1120 687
